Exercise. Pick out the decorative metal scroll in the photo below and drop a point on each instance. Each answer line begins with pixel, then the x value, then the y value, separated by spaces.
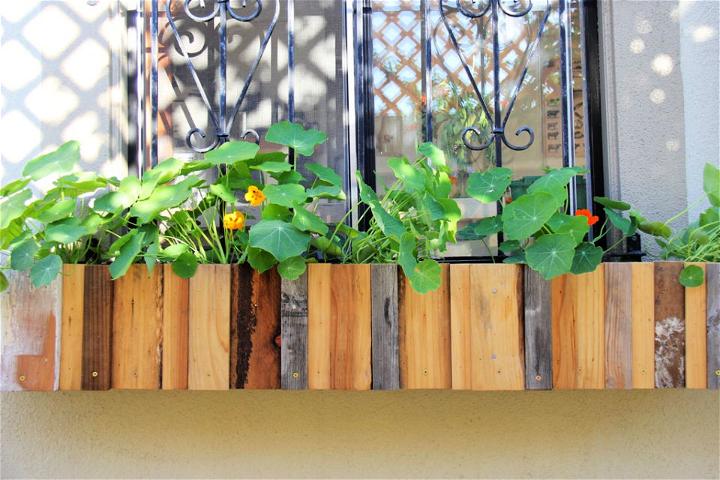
pixel 476 10
pixel 221 120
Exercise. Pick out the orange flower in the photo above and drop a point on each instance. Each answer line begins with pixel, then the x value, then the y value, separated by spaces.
pixel 234 220
pixel 255 196
pixel 591 219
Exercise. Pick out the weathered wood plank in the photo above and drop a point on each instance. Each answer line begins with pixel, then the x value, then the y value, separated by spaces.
pixel 578 331
pixel 339 327
pixel 71 351
pixel 669 326
pixel 385 346
pixel 209 329
pixel 425 350
pixel 618 325
pixel 30 320
pixel 293 333
pixel 643 325
pixel 486 327
pixel 696 334
pixel 97 325
pixel 137 329
pixel 538 331
pixel 713 325
pixel 175 343
pixel 255 329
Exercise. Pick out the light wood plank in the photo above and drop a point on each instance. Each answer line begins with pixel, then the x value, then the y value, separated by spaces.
pixel 339 327
pixel 713 325
pixel 255 329
pixel 618 325
pixel 175 313
pixel 71 351
pixel 30 321
pixel 209 328
pixel 425 349
pixel 696 334
pixel 538 331
pixel 578 304
pixel 137 329
pixel 643 325
pixel 485 311
pixel 99 294
pixel 385 346
pixel 669 326
pixel 293 332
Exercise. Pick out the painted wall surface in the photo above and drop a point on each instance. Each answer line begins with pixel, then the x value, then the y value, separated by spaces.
pixel 603 434
pixel 657 110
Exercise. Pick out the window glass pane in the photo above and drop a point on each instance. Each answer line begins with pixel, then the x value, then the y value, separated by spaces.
pixel 399 27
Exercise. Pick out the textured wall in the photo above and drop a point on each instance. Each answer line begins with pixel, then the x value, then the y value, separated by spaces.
pixel 604 434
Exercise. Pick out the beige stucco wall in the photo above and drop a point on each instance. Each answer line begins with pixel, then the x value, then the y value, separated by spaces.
pixel 651 434
pixel 601 434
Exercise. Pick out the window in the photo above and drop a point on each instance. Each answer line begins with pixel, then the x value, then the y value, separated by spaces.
pixel 486 80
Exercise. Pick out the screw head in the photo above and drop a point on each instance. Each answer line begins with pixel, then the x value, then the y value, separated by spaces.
pixel 94 374
pixel 21 378
pixel 295 375
pixel 538 378
pixel 717 373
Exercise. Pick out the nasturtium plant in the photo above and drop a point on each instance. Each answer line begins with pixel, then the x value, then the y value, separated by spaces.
pixel 538 229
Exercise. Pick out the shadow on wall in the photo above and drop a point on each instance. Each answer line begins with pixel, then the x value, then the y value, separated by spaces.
pixel 55 82
pixel 571 434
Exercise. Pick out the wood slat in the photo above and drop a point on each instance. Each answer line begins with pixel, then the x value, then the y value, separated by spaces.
pixel 209 328
pixel 538 331
pixel 696 334
pixel 385 346
pixel 486 327
pixel 339 327
pixel 293 333
pixel 669 326
pixel 578 331
pixel 71 351
pixel 425 351
pixel 643 325
pixel 618 325
pixel 30 320
pixel 175 326
pixel 713 325
pixel 97 325
pixel 255 329
pixel 137 329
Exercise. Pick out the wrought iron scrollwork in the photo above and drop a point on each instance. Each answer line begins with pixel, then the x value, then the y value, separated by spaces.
pixel 477 9
pixel 222 123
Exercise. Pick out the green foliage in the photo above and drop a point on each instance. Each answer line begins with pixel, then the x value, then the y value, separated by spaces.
pixel 692 276
pixel 293 135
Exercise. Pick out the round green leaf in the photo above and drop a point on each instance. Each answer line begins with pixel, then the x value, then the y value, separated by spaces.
pixel 279 238
pixel 127 254
pixel 66 232
pixel 309 222
pixel 325 174
pixel 711 216
pixel 13 207
pixel 555 183
pixel 161 173
pixel 292 268
pixel 326 191
pixel 587 258
pixel 185 265
pixel 433 153
pixel 692 276
pixel 489 186
pixel 293 176
pixel 614 204
pixel 174 251
pixel 4 284
pixel 162 198
pixel 273 167
pixel 223 192
pixel 577 226
pixel 426 276
pixel 22 256
pixel 295 136
pixel 527 215
pixel 14 186
pixel 551 255
pixel 412 177
pixel 260 260
pixel 289 195
pixel 276 212
pixel 232 152
pixel 58 162
pixel 623 224
pixel 45 270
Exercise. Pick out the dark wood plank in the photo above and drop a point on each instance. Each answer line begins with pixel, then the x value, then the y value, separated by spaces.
pixel 293 327
pixel 30 320
pixel 97 329
pixel 713 325
pixel 385 348
pixel 669 326
pixel 255 329
pixel 538 331
pixel 618 325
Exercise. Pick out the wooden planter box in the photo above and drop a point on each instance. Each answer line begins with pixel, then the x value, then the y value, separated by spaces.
pixel 361 327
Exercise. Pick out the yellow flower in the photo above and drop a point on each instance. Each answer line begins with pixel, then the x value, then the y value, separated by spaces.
pixel 234 220
pixel 254 196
